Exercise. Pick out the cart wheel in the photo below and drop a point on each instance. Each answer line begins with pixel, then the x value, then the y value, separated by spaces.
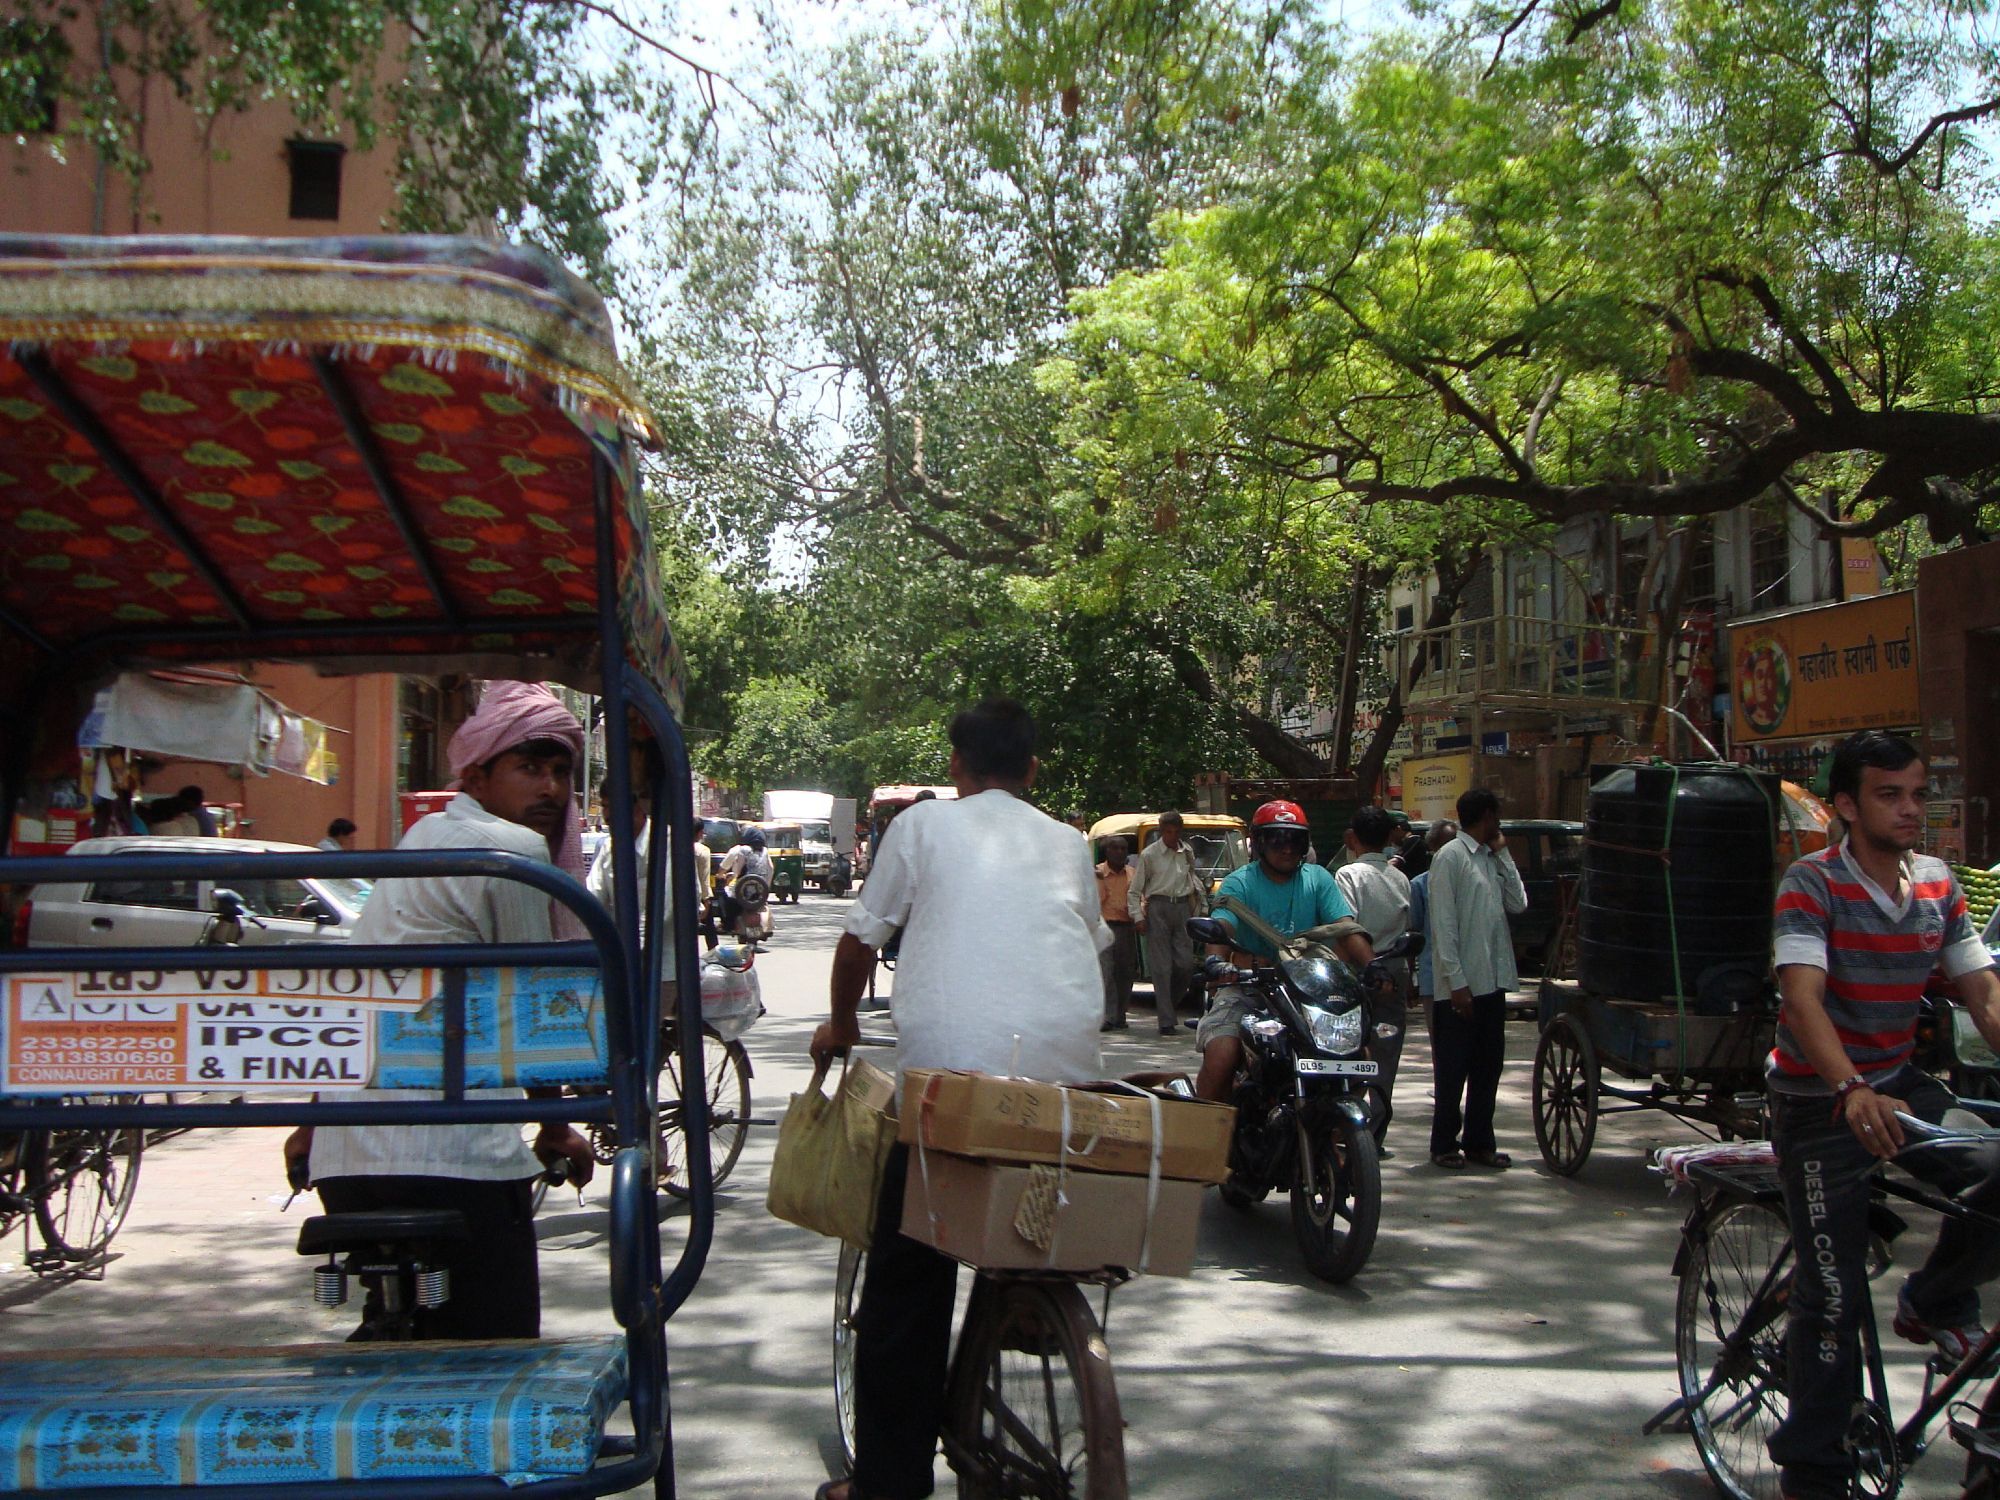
pixel 1565 1096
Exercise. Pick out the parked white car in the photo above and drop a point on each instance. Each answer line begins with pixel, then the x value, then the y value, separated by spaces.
pixel 173 913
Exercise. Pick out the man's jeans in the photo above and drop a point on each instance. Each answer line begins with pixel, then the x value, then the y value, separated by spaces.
pixel 1825 1173
pixel 1467 1055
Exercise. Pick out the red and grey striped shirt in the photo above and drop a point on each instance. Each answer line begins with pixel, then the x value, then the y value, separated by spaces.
pixel 1877 954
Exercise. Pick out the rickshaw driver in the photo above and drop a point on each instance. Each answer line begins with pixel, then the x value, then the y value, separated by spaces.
pixel 513 760
pixel 1292 896
pixel 1859 929
pixel 999 973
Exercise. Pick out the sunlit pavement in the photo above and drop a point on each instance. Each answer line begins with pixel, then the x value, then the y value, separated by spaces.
pixel 1510 1336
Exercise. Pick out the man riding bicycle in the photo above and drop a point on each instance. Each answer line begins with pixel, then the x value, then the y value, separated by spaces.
pixel 1859 929
pixel 1290 896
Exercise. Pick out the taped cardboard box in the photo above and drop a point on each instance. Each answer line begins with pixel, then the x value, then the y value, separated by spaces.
pixel 1030 1217
pixel 1014 1119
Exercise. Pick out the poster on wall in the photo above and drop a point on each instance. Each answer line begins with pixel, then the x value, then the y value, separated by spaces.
pixel 1431 786
pixel 1825 671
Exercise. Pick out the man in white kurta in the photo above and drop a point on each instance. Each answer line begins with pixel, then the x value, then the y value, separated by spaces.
pixel 998 972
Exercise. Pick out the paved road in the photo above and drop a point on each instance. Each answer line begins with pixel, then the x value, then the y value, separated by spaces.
pixel 1508 1339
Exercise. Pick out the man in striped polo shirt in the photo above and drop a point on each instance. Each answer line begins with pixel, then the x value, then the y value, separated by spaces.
pixel 1860 928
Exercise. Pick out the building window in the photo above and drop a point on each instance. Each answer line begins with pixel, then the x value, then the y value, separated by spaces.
pixel 1770 559
pixel 1406 617
pixel 315 178
pixel 1699 590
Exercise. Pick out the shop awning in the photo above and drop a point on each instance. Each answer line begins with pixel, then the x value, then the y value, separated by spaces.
pixel 206 716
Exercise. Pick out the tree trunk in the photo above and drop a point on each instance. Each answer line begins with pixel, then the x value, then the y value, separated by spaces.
pixel 1358 595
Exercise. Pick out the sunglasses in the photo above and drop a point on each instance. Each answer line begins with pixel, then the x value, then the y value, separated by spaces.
pixel 1286 838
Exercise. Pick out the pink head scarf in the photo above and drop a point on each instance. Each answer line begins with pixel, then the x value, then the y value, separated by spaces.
pixel 510 714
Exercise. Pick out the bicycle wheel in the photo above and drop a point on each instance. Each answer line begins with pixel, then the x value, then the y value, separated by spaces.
pixel 846 1304
pixel 82 1183
pixel 726 1081
pixel 1032 1410
pixel 1729 1341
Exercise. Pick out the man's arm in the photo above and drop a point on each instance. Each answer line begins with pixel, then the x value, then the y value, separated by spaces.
pixel 1871 1116
pixel 852 962
pixel 1980 991
pixel 1513 894
pixel 1135 893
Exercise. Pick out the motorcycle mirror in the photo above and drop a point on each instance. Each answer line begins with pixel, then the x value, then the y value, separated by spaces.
pixel 1209 930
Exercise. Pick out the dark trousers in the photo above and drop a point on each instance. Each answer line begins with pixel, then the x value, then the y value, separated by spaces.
pixel 1120 963
pixel 1169 954
pixel 1825 1174
pixel 1387 1051
pixel 902 1349
pixel 496 1286
pixel 1466 1054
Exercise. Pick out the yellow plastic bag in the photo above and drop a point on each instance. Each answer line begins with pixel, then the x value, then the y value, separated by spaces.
pixel 831 1152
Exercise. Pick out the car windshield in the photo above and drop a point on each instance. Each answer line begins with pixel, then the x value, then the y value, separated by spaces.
pixel 1216 851
pixel 817 833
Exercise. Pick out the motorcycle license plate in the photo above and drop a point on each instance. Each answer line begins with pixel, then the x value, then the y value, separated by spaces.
pixel 1327 1068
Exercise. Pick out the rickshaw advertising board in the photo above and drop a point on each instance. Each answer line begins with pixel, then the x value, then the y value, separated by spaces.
pixel 60 1040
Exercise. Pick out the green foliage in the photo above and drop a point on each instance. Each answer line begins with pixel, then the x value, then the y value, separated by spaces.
pixel 780 737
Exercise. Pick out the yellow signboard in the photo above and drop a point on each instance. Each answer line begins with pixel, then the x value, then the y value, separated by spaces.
pixel 1432 785
pixel 1825 671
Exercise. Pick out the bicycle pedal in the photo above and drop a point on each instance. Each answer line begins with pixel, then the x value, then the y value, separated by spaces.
pixel 1983 1441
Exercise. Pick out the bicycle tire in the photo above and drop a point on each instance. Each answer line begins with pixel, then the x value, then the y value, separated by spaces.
pixel 1339 1183
pixel 1734 1397
pixel 846 1305
pixel 1032 1409
pixel 82 1182
pixel 726 1076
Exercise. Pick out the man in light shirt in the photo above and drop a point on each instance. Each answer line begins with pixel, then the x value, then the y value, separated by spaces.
pixel 1380 896
pixel 998 973
pixel 1166 891
pixel 513 760
pixel 1473 888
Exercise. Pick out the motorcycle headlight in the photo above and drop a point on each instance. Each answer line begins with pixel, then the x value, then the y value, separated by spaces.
pixel 1338 1032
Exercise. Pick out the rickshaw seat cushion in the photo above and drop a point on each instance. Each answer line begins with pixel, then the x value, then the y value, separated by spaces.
pixel 514 1409
pixel 328 1234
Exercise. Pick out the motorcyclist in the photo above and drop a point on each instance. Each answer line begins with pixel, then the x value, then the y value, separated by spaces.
pixel 1291 896
pixel 746 858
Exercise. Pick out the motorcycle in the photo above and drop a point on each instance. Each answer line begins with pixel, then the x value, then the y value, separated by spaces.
pixel 839 876
pixel 1305 1100
pixel 743 908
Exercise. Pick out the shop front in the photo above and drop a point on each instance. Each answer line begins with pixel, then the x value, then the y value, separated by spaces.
pixel 1958 625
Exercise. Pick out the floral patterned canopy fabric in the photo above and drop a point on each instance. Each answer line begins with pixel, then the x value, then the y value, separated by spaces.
pixel 375 451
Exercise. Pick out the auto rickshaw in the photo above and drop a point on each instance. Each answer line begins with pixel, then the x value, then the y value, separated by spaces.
pixel 784 843
pixel 381 454
pixel 1217 842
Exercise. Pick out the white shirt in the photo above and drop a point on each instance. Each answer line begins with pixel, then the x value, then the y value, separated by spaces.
pixel 1167 873
pixel 446 909
pixel 1379 894
pixel 1472 890
pixel 998 969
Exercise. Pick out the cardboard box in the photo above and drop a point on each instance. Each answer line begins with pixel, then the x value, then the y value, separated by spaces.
pixel 871 1086
pixel 969 1210
pixel 1014 1119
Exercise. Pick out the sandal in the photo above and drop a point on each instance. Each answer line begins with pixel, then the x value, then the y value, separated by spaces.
pixel 846 1486
pixel 1451 1161
pixel 1498 1160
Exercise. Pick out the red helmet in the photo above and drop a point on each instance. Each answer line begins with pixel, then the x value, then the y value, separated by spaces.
pixel 1278 815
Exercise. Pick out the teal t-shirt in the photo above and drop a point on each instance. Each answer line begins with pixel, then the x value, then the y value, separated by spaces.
pixel 1310 898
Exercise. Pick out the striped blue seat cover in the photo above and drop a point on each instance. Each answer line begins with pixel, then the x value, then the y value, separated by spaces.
pixel 516 1409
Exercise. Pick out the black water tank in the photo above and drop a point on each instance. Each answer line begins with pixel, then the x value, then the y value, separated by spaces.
pixel 1720 868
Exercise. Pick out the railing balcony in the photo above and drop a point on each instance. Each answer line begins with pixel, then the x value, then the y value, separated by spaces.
pixel 1529 661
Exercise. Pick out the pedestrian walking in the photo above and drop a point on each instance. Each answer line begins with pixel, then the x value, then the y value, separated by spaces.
pixel 1166 892
pixel 1121 959
pixel 1473 888
pixel 1380 896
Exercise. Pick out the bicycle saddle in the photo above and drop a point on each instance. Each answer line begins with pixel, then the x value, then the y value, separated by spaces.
pixel 330 1234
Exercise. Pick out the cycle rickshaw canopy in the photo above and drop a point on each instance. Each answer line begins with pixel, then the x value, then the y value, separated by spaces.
pixel 403 454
